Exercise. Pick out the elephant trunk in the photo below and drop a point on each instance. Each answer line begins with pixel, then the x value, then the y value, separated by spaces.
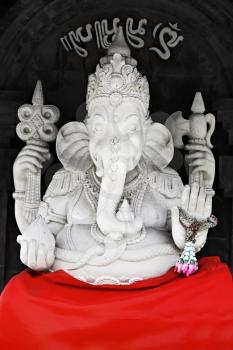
pixel 111 190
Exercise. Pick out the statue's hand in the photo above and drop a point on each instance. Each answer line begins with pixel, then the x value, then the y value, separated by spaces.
pixel 202 159
pixel 36 256
pixel 30 157
pixel 196 202
pixel 37 245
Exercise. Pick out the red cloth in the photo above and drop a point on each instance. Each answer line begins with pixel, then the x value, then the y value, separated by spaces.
pixel 54 311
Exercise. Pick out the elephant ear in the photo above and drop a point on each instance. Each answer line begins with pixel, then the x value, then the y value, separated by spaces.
pixel 158 148
pixel 72 147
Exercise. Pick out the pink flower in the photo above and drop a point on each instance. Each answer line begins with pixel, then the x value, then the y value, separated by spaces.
pixel 178 267
pixel 185 268
pixel 192 268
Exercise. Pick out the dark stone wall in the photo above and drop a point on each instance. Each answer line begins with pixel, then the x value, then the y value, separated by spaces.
pixel 30 49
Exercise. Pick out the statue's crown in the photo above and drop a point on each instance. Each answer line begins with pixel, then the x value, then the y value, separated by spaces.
pixel 117 77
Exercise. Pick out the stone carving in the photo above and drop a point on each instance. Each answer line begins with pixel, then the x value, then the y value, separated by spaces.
pixel 172 31
pixel 196 128
pixel 75 37
pixel 133 34
pixel 112 213
pixel 104 32
pixel 36 128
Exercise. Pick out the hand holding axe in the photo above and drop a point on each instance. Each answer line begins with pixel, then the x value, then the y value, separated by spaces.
pixel 199 129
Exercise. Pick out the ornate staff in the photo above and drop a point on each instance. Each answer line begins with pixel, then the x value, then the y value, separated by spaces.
pixel 37 128
pixel 199 129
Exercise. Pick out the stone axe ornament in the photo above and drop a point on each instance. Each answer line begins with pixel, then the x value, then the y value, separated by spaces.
pixel 199 129
pixel 36 127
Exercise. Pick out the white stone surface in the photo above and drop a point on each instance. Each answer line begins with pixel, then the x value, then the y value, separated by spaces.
pixel 112 211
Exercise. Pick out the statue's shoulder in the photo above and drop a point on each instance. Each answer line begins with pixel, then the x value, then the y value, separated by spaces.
pixel 166 181
pixel 64 182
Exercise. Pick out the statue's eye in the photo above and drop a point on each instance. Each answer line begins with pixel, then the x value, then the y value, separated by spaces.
pixel 132 128
pixel 98 123
pixel 98 128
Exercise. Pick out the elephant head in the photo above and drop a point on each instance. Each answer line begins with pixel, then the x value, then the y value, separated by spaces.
pixel 116 135
pixel 114 140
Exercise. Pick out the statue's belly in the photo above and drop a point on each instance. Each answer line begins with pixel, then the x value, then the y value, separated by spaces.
pixel 79 238
pixel 83 256
pixel 125 272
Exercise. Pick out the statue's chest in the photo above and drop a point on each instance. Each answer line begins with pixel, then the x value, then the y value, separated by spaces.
pixel 142 202
pixel 153 210
pixel 83 209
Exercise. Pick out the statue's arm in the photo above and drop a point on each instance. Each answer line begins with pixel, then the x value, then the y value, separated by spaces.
pixel 31 158
pixel 53 207
pixel 21 221
pixel 37 239
pixel 55 221
pixel 196 199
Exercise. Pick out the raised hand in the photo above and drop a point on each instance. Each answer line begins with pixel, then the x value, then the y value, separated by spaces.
pixel 201 159
pixel 31 157
pixel 196 202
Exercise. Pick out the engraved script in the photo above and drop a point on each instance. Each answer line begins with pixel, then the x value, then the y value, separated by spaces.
pixel 104 31
pixel 172 31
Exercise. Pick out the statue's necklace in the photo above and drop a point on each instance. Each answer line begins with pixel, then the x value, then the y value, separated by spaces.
pixel 133 191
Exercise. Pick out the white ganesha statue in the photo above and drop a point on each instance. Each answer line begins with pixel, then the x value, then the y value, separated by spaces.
pixel 116 212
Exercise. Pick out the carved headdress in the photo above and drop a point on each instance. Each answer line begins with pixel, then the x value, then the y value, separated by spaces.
pixel 117 76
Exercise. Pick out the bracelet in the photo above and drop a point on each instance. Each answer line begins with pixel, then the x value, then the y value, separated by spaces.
pixel 187 262
pixel 192 225
pixel 19 195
